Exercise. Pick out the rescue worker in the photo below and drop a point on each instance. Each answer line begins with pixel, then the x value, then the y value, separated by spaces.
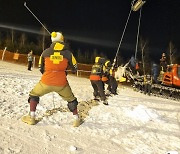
pixel 113 83
pixel 147 84
pixel 53 64
pixel 96 82
pixel 106 76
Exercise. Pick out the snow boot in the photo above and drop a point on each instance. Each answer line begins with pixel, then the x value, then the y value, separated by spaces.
pixel 29 120
pixel 97 98
pixel 77 122
pixel 105 102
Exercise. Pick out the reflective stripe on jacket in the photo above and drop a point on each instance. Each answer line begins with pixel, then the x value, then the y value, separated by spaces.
pixel 53 64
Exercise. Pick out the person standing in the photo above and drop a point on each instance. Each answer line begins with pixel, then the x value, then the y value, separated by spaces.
pixel 163 62
pixel 30 60
pixel 53 64
pixel 155 72
pixel 106 76
pixel 96 82
pixel 113 83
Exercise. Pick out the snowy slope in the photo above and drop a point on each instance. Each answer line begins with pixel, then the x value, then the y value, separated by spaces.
pixel 133 123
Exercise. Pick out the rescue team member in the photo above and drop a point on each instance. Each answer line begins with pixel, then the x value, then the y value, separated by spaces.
pixel 113 83
pixel 95 78
pixel 106 74
pixel 109 78
pixel 53 64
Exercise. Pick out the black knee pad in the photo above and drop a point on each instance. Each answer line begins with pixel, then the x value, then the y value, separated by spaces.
pixel 72 105
pixel 33 98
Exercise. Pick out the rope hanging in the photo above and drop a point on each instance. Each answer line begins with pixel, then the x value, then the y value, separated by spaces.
pixel 137 38
pixel 121 38
pixel 140 4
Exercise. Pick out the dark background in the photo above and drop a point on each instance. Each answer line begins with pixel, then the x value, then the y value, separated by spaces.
pixel 99 23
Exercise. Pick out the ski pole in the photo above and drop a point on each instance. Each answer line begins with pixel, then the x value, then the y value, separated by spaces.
pixel 36 17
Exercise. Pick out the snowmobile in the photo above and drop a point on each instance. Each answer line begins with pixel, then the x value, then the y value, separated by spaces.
pixel 168 85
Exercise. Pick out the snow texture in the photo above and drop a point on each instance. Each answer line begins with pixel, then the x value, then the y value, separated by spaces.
pixel 133 123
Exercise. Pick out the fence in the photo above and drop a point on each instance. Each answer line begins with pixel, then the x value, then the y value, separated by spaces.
pixel 83 69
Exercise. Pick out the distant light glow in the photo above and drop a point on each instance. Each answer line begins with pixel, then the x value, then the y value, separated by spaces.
pixel 76 38
pixel 20 29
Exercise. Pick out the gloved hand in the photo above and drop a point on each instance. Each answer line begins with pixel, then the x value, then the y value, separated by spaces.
pixel 41 70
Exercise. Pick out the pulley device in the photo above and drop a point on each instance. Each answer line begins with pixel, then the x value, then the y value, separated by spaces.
pixel 135 6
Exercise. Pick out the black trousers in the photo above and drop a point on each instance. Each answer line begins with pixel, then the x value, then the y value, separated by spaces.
pixel 113 85
pixel 147 89
pixel 98 89
pixel 29 65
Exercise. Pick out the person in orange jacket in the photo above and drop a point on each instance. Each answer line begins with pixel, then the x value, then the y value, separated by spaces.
pixel 96 82
pixel 53 64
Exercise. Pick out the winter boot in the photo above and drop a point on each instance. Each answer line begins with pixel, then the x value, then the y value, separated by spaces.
pixel 29 120
pixel 105 102
pixel 95 102
pixel 77 121
pixel 97 98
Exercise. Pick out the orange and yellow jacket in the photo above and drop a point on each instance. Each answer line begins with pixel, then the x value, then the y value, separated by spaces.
pixel 96 72
pixel 53 64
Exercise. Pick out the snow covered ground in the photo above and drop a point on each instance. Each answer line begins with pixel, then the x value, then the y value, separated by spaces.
pixel 133 123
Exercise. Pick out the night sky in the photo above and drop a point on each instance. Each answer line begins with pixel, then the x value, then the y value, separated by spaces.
pixel 100 23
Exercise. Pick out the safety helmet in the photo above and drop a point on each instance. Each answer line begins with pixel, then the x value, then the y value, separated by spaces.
pixel 108 63
pixel 57 37
pixel 97 59
pixel 100 60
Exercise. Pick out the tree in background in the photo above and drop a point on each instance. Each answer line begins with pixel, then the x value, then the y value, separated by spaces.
pixel 93 55
pixel 172 52
pixel 146 63
pixel 42 39
pixel 12 36
pixel 8 43
pixel 22 43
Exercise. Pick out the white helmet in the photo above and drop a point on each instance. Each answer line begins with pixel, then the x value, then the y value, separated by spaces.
pixel 57 37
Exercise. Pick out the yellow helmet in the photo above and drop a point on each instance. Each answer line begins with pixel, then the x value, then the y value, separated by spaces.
pixel 108 63
pixel 97 59
pixel 57 37
pixel 100 60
